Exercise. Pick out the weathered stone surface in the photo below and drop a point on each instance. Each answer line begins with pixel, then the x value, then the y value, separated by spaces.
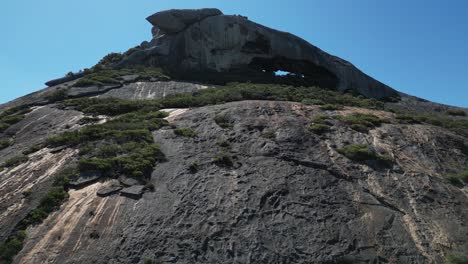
pixel 236 45
pixel 151 90
pixel 134 192
pixel 173 21
pixel 85 179
pixel 288 199
pixel 109 188
pixel 128 181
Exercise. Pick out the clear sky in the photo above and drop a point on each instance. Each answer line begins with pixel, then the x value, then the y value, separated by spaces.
pixel 419 46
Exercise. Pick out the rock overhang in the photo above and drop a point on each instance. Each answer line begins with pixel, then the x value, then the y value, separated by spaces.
pixel 176 20
pixel 207 44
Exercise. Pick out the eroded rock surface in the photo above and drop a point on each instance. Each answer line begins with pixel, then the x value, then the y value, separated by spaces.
pixel 288 197
pixel 201 44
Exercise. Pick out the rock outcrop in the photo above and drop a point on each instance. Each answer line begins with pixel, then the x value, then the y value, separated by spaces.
pixel 287 198
pixel 207 45
pixel 253 182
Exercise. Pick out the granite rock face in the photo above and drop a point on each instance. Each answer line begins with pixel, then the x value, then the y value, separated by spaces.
pixel 173 21
pixel 287 198
pixel 206 43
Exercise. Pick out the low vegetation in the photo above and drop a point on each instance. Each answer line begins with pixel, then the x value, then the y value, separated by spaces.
pixel 456 113
pixel 456 125
pixel 185 132
pixel 100 76
pixel 320 124
pixel 223 160
pixel 249 91
pixel 361 153
pixel 194 167
pixel 456 258
pixel 57 96
pixel 269 134
pixel 11 247
pixel 12 116
pixel 110 106
pixel 458 178
pixel 55 196
pixel 222 121
pixel 14 161
pixel 5 143
pixel 362 122
pixel 331 107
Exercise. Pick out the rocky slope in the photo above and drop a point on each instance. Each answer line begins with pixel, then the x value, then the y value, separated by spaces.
pixel 249 181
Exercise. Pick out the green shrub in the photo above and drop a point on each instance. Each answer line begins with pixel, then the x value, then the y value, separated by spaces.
pixel 101 76
pixel 362 122
pixel 269 134
pixel 148 260
pixel 312 102
pixel 57 96
pixel 10 248
pixel 248 91
pixel 456 112
pixel 224 144
pixel 5 143
pixel 194 167
pixel 223 160
pixel 110 106
pixel 34 148
pixel 185 132
pixel 150 186
pixel 456 258
pixel 319 128
pixel 360 152
pixel 222 121
pixel 111 58
pixel 331 107
pixel 459 126
pixel 458 178
pixel 14 161
pixel 320 124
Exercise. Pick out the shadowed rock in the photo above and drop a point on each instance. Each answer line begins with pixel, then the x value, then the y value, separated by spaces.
pixel 207 45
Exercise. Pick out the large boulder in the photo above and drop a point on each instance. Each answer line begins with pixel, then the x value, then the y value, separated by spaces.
pixel 173 21
pixel 201 42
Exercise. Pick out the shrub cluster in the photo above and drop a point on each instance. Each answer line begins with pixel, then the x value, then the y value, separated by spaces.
pixel 456 112
pixel 14 161
pixel 361 153
pixel 185 132
pixel 457 125
pixel 5 143
pixel 110 106
pixel 12 116
pixel 362 122
pixel 249 91
pixel 100 76
pixel 222 121
pixel 320 124
pixel 54 197
pixel 458 178
pixel 456 258
pixel 123 145
pixel 223 160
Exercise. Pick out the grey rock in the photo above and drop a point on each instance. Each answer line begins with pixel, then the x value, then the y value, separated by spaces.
pixel 134 192
pixel 239 47
pixel 108 190
pixel 128 181
pixel 84 180
pixel 65 79
pixel 175 20
pixel 291 198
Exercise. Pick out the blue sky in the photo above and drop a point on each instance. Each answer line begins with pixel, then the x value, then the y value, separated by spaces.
pixel 419 47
